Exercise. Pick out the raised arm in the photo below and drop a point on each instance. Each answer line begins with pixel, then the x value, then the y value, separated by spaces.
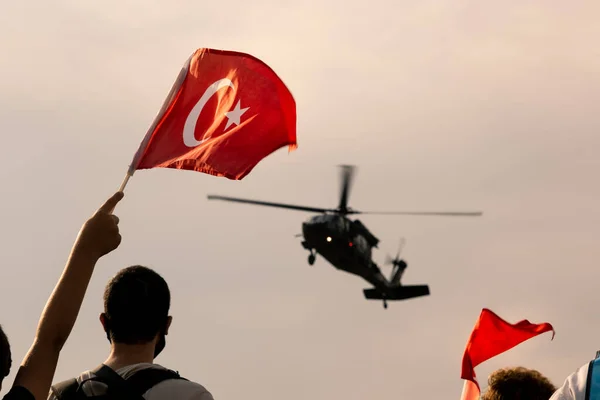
pixel 98 236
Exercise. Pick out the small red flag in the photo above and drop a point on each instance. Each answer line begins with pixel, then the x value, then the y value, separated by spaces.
pixel 226 112
pixel 492 336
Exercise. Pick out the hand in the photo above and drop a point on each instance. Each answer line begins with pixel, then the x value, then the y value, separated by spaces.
pixel 100 234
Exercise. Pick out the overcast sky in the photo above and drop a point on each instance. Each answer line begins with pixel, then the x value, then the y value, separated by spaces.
pixel 443 105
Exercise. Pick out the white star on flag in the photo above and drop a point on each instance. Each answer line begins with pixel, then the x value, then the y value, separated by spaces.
pixel 235 114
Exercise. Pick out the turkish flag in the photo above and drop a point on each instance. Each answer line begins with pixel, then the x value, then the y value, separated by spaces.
pixel 226 112
pixel 491 336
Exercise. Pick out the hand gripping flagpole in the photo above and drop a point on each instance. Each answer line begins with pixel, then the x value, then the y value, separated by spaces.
pixel 123 184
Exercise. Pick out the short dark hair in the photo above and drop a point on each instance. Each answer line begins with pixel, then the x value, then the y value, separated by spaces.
pixel 519 384
pixel 5 355
pixel 136 304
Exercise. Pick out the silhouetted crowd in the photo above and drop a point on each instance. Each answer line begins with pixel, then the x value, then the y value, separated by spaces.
pixel 136 321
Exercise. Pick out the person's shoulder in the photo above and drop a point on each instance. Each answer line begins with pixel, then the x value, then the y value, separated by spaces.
pixel 68 386
pixel 186 388
pixel 178 388
pixel 183 388
pixel 574 387
pixel 18 393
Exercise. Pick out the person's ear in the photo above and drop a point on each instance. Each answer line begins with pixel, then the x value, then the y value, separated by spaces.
pixel 169 321
pixel 104 322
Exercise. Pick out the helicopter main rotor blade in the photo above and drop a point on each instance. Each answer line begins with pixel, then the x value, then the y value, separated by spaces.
pixel 433 213
pixel 268 204
pixel 347 178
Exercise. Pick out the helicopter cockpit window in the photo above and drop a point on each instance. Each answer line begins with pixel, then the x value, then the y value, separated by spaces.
pixel 318 218
pixel 337 224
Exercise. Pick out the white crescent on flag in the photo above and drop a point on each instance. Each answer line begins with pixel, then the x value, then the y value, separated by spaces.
pixel 189 139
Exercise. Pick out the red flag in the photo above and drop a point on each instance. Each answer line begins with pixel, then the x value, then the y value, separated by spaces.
pixel 492 336
pixel 226 112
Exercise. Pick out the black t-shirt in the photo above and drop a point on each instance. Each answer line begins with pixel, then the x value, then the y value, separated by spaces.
pixel 19 393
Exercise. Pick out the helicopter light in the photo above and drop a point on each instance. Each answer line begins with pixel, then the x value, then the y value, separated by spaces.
pixel 329 238
pixel 350 244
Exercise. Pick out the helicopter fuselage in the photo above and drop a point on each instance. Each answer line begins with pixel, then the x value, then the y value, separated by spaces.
pixel 346 244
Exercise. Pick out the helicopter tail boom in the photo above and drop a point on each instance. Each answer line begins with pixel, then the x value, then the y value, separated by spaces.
pixel 397 293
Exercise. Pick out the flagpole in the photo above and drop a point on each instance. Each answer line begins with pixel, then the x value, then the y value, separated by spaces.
pixel 125 180
pixel 470 391
pixel 123 184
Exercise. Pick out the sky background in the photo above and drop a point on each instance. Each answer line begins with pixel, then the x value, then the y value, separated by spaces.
pixel 443 105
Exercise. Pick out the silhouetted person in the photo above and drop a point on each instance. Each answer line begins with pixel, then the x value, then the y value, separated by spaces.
pixel 98 236
pixel 136 320
pixel 5 356
pixel 518 384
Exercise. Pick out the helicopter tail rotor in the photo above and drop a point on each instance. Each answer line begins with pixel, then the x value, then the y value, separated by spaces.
pixel 398 265
pixel 392 261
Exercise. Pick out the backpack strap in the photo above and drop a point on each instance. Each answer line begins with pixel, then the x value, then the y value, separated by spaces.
pixel 143 380
pixel 65 389
pixel 70 388
pixel 118 388
pixel 592 390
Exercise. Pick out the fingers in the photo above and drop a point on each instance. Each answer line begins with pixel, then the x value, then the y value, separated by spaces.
pixel 115 219
pixel 111 203
pixel 119 239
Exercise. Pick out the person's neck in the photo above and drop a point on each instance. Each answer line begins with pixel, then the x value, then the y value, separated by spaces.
pixel 123 355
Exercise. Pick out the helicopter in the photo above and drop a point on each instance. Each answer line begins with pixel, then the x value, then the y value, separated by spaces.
pixel 347 244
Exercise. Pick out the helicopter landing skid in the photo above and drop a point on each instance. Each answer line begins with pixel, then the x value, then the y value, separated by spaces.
pixel 312 256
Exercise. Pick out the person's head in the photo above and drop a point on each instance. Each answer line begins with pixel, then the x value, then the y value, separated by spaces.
pixel 5 356
pixel 136 308
pixel 518 384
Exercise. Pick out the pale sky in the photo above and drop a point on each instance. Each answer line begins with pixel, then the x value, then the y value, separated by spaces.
pixel 443 105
